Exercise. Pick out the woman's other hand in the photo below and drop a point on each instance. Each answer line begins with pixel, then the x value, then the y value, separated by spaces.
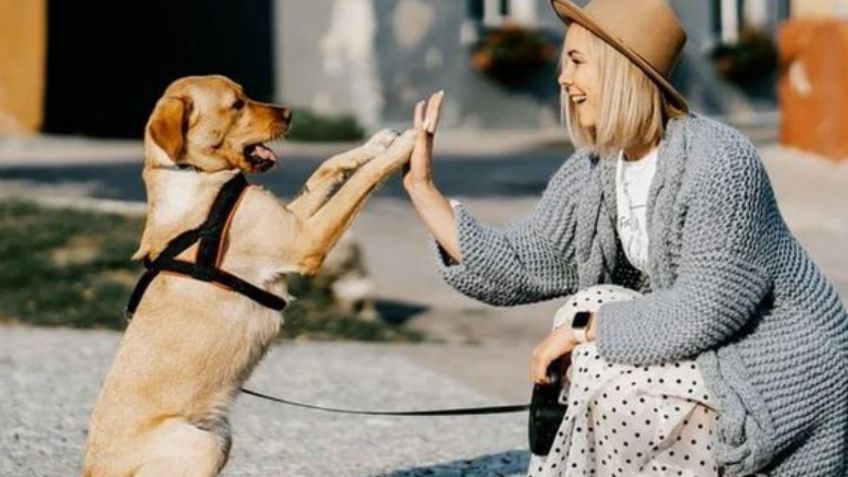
pixel 560 342
pixel 419 172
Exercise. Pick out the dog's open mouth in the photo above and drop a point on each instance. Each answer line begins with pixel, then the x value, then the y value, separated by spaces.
pixel 260 157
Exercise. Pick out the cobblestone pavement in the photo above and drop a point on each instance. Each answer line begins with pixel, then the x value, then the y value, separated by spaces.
pixel 49 379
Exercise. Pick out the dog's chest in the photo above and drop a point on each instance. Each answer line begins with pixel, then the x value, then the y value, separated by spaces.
pixel 178 199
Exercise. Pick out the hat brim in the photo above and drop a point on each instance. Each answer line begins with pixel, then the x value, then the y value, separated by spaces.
pixel 569 13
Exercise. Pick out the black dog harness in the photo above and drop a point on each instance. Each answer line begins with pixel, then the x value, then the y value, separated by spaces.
pixel 206 266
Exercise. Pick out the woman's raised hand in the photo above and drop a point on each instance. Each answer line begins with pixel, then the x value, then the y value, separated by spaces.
pixel 433 208
pixel 419 172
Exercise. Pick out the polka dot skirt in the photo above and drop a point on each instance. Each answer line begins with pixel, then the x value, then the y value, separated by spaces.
pixel 626 420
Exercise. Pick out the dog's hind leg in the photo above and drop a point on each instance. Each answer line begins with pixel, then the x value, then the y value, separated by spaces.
pixel 333 172
pixel 178 448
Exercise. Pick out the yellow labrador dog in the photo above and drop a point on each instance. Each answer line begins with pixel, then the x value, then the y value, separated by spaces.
pixel 162 411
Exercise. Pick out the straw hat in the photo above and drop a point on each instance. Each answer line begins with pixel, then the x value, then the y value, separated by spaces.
pixel 646 31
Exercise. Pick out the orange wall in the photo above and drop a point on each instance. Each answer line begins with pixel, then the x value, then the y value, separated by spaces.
pixel 812 86
pixel 23 37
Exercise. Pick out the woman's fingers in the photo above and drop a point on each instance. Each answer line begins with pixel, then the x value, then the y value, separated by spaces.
pixel 540 376
pixel 539 366
pixel 426 114
pixel 425 117
pixel 421 156
pixel 434 106
pixel 418 115
pixel 558 343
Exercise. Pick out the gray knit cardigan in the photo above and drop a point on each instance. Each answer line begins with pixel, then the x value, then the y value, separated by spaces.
pixel 729 285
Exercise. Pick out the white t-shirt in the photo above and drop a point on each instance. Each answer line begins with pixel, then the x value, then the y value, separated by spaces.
pixel 632 183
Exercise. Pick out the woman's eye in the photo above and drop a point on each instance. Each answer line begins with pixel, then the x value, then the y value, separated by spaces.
pixel 238 104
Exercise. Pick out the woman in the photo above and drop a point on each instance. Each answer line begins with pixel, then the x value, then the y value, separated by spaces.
pixel 727 287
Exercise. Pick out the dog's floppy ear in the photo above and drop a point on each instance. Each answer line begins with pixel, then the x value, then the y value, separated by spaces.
pixel 168 125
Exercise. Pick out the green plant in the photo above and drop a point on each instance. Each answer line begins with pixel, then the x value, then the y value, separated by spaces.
pixel 751 58
pixel 308 126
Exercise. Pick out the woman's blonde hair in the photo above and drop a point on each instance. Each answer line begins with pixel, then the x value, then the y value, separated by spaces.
pixel 632 108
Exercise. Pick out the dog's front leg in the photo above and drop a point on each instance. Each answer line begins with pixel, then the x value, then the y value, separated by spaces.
pixel 325 227
pixel 325 181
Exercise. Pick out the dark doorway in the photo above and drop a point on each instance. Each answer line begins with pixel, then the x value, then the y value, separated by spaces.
pixel 108 61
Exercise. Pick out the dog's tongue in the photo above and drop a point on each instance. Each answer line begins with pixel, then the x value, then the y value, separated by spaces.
pixel 260 157
pixel 264 152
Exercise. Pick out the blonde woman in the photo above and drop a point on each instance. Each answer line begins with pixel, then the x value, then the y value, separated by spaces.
pixel 737 352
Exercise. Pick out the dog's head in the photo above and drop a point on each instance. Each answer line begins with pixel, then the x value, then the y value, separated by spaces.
pixel 208 123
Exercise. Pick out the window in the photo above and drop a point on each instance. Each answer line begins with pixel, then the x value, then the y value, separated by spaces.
pixel 730 16
pixel 496 12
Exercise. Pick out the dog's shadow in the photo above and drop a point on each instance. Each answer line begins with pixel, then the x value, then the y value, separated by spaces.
pixel 509 463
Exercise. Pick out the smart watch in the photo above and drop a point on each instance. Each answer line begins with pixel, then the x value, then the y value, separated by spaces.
pixel 580 325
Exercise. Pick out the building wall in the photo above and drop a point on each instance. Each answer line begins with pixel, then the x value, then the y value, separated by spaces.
pixel 371 58
pixel 325 57
pixel 376 58
pixel 22 58
pixel 427 46
pixel 819 8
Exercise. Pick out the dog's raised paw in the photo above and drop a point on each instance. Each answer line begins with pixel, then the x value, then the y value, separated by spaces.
pixel 383 138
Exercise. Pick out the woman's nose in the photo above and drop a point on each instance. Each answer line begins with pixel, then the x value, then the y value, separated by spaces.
pixel 565 77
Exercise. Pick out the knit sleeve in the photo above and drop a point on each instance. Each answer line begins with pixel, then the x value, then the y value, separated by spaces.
pixel 529 260
pixel 721 278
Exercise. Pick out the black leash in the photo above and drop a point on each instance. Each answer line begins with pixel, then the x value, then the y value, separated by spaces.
pixel 433 412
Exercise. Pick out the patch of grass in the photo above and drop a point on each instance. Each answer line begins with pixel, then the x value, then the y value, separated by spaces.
pixel 57 265
pixel 62 267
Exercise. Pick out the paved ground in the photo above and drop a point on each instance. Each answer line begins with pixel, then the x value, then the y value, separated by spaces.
pixel 49 380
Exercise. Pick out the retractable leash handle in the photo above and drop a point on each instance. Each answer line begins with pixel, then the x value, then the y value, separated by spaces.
pixel 546 412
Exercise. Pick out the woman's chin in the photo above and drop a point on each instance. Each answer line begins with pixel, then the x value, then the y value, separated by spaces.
pixel 585 120
pixel 586 123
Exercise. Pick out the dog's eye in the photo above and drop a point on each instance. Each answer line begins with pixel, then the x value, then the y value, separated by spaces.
pixel 238 104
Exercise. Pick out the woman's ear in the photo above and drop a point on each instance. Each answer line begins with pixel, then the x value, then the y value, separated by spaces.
pixel 168 125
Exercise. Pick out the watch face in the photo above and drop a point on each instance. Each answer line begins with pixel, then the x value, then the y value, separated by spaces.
pixel 581 319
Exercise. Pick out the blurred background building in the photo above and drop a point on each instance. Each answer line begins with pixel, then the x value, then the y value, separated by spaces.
pixel 96 67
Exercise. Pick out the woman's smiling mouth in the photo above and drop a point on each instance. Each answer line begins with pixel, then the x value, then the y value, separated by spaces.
pixel 577 98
